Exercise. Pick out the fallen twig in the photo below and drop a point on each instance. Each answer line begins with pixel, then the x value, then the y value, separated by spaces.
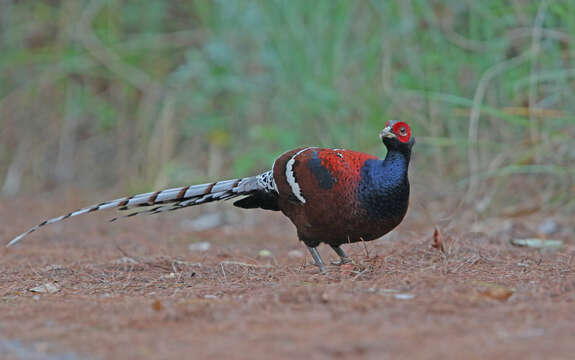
pixel 244 264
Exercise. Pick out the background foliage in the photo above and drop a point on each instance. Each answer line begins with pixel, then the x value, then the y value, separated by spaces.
pixel 141 94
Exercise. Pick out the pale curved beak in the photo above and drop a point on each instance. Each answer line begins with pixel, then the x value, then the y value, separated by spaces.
pixel 387 133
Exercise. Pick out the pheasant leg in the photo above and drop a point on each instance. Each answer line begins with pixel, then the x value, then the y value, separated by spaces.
pixel 343 258
pixel 317 259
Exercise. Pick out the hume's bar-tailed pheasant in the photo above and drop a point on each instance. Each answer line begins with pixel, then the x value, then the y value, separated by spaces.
pixel 332 196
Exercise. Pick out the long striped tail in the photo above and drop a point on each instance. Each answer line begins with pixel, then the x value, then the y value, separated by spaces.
pixel 168 200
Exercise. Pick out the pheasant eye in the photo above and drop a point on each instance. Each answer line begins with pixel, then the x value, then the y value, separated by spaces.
pixel 402 131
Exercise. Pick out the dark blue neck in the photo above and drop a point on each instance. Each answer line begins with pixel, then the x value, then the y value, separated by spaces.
pixel 384 186
pixel 394 168
pixel 388 173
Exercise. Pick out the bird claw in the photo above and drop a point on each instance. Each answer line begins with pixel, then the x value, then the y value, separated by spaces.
pixel 342 261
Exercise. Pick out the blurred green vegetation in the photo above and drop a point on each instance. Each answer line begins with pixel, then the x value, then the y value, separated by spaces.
pixel 141 94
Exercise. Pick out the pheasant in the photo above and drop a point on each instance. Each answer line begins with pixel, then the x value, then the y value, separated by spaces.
pixel 332 196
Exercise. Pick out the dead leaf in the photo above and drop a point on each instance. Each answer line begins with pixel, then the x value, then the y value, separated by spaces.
pixel 49 288
pixel 437 241
pixel 538 243
pixel 404 296
pixel 497 292
pixel 157 305
pixel 200 246
pixel 264 253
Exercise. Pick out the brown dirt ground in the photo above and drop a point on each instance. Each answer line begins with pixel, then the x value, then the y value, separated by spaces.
pixel 133 290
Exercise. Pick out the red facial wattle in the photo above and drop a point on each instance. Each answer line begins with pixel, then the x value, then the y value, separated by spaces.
pixel 402 131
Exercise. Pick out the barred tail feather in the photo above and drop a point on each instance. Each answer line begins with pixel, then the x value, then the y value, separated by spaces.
pixel 223 195
pixel 178 197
